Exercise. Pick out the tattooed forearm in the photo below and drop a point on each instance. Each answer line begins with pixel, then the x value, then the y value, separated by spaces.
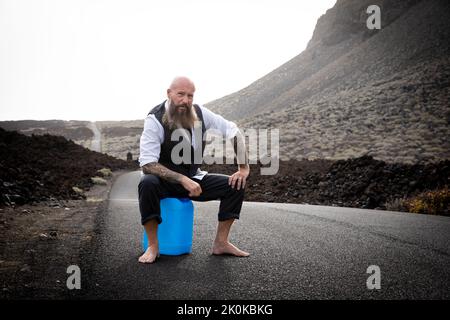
pixel 240 150
pixel 161 171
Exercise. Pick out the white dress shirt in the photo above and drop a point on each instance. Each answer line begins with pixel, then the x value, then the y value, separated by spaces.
pixel 153 135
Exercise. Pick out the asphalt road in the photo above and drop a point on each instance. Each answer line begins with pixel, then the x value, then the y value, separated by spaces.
pixel 297 252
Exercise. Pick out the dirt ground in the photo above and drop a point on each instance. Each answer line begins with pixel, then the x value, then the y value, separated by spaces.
pixel 39 242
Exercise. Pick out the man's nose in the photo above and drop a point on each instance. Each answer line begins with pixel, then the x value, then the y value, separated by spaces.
pixel 185 100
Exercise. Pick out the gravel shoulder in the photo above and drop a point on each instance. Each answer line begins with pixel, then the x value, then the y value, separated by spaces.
pixel 39 242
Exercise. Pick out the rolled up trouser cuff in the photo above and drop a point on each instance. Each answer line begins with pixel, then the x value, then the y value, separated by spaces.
pixel 151 217
pixel 228 216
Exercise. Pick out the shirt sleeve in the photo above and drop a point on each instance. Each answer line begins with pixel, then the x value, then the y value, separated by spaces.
pixel 217 122
pixel 150 142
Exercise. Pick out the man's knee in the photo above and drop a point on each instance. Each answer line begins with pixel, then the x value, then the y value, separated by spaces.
pixel 241 192
pixel 235 193
pixel 149 182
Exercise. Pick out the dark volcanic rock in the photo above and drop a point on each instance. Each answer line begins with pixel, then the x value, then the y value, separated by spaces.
pixel 360 182
pixel 39 168
pixel 45 168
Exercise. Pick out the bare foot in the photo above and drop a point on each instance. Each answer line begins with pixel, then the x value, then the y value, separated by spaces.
pixel 228 248
pixel 150 255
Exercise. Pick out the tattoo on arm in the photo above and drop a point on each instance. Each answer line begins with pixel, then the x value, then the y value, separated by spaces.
pixel 240 149
pixel 161 171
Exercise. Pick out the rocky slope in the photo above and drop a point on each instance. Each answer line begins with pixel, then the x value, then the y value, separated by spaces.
pixel 356 91
pixel 117 138
pixel 78 131
pixel 44 167
pixel 121 137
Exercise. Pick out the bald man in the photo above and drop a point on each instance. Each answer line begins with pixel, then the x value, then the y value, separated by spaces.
pixel 164 178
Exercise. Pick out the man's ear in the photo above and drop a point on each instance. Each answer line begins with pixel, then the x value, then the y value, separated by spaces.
pixel 168 93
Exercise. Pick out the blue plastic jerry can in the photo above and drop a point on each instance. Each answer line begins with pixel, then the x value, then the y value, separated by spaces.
pixel 176 229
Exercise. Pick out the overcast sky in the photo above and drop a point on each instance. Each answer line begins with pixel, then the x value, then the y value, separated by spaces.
pixel 113 59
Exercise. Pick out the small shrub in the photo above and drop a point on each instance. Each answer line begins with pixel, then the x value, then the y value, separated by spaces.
pixel 398 204
pixel 431 202
pixel 77 190
pixel 98 180
pixel 105 172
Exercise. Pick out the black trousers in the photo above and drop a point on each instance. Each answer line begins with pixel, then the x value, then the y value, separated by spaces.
pixel 214 186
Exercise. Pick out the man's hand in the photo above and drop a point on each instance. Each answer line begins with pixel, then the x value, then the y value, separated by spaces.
pixel 174 177
pixel 190 185
pixel 238 179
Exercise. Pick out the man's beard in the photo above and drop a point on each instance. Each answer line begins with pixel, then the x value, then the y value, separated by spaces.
pixel 175 118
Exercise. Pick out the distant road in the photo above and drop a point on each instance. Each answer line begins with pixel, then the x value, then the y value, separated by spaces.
pixel 96 144
pixel 297 252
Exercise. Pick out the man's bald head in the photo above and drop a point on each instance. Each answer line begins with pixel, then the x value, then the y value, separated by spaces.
pixel 182 82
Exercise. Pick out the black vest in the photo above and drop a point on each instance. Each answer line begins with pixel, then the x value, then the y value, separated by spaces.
pixel 187 169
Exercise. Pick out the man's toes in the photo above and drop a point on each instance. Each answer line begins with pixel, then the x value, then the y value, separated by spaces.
pixel 243 254
pixel 147 258
pixel 143 259
pixel 240 253
pixel 229 249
